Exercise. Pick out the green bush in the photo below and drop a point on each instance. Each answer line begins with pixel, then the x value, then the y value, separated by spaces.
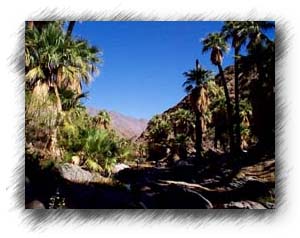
pixel 74 129
pixel 101 147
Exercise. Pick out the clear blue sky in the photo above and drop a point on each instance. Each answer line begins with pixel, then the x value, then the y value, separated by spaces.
pixel 143 63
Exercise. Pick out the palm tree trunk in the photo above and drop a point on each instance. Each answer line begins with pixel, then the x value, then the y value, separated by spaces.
pixel 229 108
pixel 198 128
pixel 58 101
pixel 70 28
pixel 237 103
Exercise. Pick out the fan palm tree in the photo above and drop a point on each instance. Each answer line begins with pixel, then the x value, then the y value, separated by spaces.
pixel 84 59
pixel 256 35
pixel 236 31
pixel 240 33
pixel 261 58
pixel 194 85
pixel 71 99
pixel 183 122
pixel 103 120
pixel 53 60
pixel 215 43
pixel 41 52
pixel 160 129
pixel 259 45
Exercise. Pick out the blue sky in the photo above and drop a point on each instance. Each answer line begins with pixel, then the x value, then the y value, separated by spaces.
pixel 143 63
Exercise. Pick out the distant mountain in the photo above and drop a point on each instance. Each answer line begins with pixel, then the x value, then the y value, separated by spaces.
pixel 126 126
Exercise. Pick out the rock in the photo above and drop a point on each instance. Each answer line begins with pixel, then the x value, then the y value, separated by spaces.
pixel 181 163
pixel 118 167
pixel 175 158
pixel 35 204
pixel 76 174
pixel 244 205
pixel 270 205
pixel 145 189
pixel 263 172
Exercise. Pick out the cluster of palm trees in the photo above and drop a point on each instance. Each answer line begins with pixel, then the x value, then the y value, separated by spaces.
pixel 171 131
pixel 239 33
pixel 56 65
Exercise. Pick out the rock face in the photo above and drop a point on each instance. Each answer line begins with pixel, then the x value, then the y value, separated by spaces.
pixel 126 126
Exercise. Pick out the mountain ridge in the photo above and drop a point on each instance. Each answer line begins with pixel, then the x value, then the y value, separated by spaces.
pixel 126 126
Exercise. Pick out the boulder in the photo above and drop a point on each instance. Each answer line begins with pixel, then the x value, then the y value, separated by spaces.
pixel 76 174
pixel 35 204
pixel 118 167
pixel 244 205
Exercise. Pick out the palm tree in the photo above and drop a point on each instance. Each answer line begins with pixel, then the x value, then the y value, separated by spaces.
pixel 194 85
pixel 53 60
pixel 237 33
pixel 41 52
pixel 71 99
pixel 183 122
pixel 215 43
pixel 102 120
pixel 84 59
pixel 261 58
pixel 255 31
